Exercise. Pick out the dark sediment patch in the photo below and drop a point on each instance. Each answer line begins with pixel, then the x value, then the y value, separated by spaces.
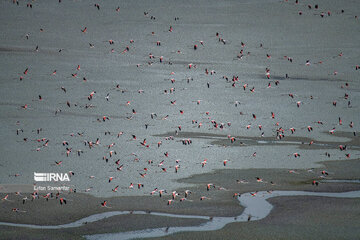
pixel 303 78
pixel 301 142
pixel 15 49
pixel 354 139
pixel 221 202
pixel 120 223
pixel 301 217
pixel 20 50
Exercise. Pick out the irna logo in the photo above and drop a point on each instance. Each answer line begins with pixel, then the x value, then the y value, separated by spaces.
pixel 48 177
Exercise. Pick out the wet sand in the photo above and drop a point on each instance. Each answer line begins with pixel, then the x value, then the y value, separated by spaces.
pixel 347 139
pixel 294 218
pixel 221 203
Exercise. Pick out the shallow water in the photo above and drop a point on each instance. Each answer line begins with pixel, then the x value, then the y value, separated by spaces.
pixel 255 204
pixel 275 24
